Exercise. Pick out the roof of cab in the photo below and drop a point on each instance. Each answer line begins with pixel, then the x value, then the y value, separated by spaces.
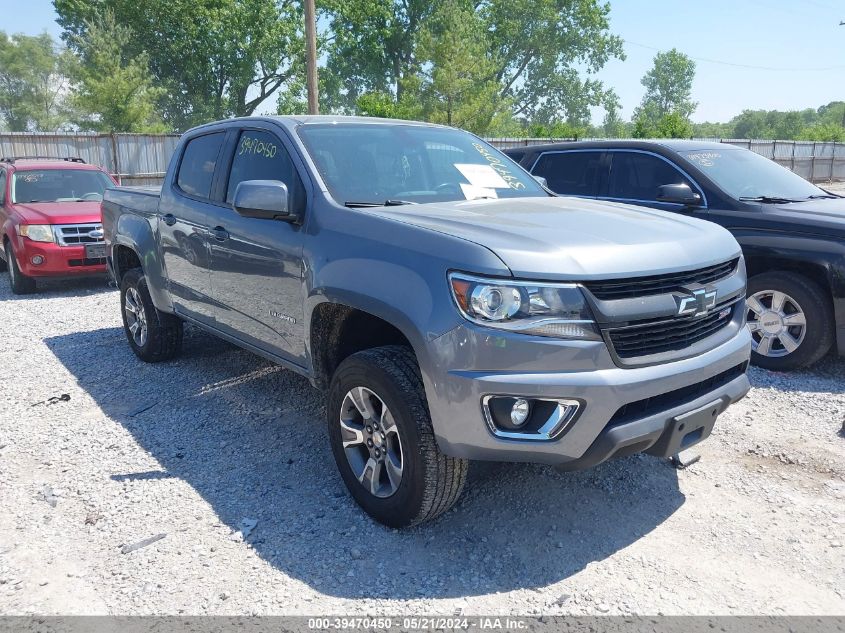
pixel 292 121
pixel 673 145
pixel 28 164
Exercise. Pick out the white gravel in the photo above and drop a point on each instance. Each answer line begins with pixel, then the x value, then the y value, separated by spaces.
pixel 225 455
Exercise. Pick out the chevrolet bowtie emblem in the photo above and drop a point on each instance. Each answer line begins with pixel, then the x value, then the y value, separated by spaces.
pixel 698 303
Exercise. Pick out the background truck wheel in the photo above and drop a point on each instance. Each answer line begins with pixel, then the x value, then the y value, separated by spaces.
pixel 21 284
pixel 381 436
pixel 790 319
pixel 154 336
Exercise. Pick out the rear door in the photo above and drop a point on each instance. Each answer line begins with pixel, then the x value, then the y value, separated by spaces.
pixel 636 175
pixel 579 173
pixel 183 226
pixel 257 263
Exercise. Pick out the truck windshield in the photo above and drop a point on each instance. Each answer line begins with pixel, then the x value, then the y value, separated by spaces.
pixel 742 174
pixel 59 185
pixel 381 164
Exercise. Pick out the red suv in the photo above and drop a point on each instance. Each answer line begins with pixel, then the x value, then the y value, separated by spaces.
pixel 50 221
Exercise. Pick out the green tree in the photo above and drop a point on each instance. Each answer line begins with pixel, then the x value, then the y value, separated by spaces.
pixel 824 132
pixel 214 58
pixel 668 90
pixel 113 93
pixel 613 126
pixel 537 51
pixel 32 82
pixel 674 125
pixel 457 84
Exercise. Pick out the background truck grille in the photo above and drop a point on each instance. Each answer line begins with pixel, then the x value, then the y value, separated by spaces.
pixel 73 234
pixel 656 337
pixel 658 284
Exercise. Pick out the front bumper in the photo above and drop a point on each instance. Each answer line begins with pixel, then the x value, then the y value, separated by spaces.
pixel 623 410
pixel 58 261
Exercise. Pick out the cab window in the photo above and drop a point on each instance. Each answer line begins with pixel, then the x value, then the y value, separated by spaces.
pixel 2 187
pixel 637 176
pixel 196 171
pixel 261 156
pixel 571 173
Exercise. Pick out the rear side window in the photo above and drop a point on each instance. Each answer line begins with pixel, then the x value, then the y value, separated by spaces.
pixel 2 187
pixel 261 156
pixel 570 173
pixel 637 176
pixel 196 171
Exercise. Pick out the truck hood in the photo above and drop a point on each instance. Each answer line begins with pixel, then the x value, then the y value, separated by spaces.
pixel 826 215
pixel 575 238
pixel 59 212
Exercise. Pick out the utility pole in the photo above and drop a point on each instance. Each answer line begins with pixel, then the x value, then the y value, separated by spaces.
pixel 311 57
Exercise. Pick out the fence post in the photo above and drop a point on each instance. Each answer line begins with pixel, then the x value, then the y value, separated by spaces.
pixel 813 164
pixel 793 155
pixel 832 162
pixel 115 159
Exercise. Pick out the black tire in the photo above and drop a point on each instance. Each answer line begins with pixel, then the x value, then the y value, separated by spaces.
pixel 20 283
pixel 431 482
pixel 163 339
pixel 813 302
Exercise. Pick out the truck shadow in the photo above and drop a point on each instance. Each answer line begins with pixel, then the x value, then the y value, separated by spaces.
pixel 249 437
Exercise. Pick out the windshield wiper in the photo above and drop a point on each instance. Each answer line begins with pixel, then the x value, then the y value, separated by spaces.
pixel 822 196
pixel 386 203
pixel 768 199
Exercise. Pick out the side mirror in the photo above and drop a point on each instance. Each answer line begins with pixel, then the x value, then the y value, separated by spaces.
pixel 678 194
pixel 541 180
pixel 263 199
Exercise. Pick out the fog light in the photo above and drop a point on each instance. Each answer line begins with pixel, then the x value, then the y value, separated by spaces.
pixel 520 411
pixel 37 260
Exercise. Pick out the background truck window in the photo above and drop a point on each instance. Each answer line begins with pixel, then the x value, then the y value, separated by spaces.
pixel 197 168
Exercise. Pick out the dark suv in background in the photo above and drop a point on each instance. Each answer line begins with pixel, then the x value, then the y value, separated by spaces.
pixel 792 232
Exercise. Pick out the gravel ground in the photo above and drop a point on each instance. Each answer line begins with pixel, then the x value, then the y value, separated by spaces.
pixel 200 449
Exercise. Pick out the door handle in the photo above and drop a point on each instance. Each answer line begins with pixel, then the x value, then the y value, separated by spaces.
pixel 169 219
pixel 219 233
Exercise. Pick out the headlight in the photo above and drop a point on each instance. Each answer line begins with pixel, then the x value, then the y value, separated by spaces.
pixel 556 310
pixel 37 232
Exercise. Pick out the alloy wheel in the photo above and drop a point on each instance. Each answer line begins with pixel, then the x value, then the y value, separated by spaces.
pixel 136 317
pixel 777 323
pixel 371 442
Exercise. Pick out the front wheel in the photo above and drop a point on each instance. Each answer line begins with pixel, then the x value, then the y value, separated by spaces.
pixel 153 335
pixel 380 432
pixel 790 319
pixel 20 283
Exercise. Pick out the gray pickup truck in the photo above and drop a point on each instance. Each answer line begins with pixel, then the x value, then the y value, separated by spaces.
pixel 451 307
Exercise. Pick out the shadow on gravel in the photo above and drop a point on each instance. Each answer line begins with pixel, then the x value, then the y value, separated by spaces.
pixel 249 437
pixel 52 288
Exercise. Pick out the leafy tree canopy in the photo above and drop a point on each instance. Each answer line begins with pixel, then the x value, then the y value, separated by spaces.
pixel 214 58
pixel 31 82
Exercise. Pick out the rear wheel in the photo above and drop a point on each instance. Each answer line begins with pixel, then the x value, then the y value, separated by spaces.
pixel 790 319
pixel 153 335
pixel 20 283
pixel 383 443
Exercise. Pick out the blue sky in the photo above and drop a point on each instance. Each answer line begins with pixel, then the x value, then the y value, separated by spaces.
pixel 795 39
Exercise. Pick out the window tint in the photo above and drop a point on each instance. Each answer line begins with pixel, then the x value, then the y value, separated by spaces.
pixel 570 173
pixel 197 168
pixel 636 176
pixel 261 156
pixel 2 186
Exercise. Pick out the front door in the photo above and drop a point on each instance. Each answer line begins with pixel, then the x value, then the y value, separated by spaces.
pixel 183 227
pixel 256 263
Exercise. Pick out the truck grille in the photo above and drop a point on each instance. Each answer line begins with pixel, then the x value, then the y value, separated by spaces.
pixel 656 337
pixel 73 234
pixel 658 284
